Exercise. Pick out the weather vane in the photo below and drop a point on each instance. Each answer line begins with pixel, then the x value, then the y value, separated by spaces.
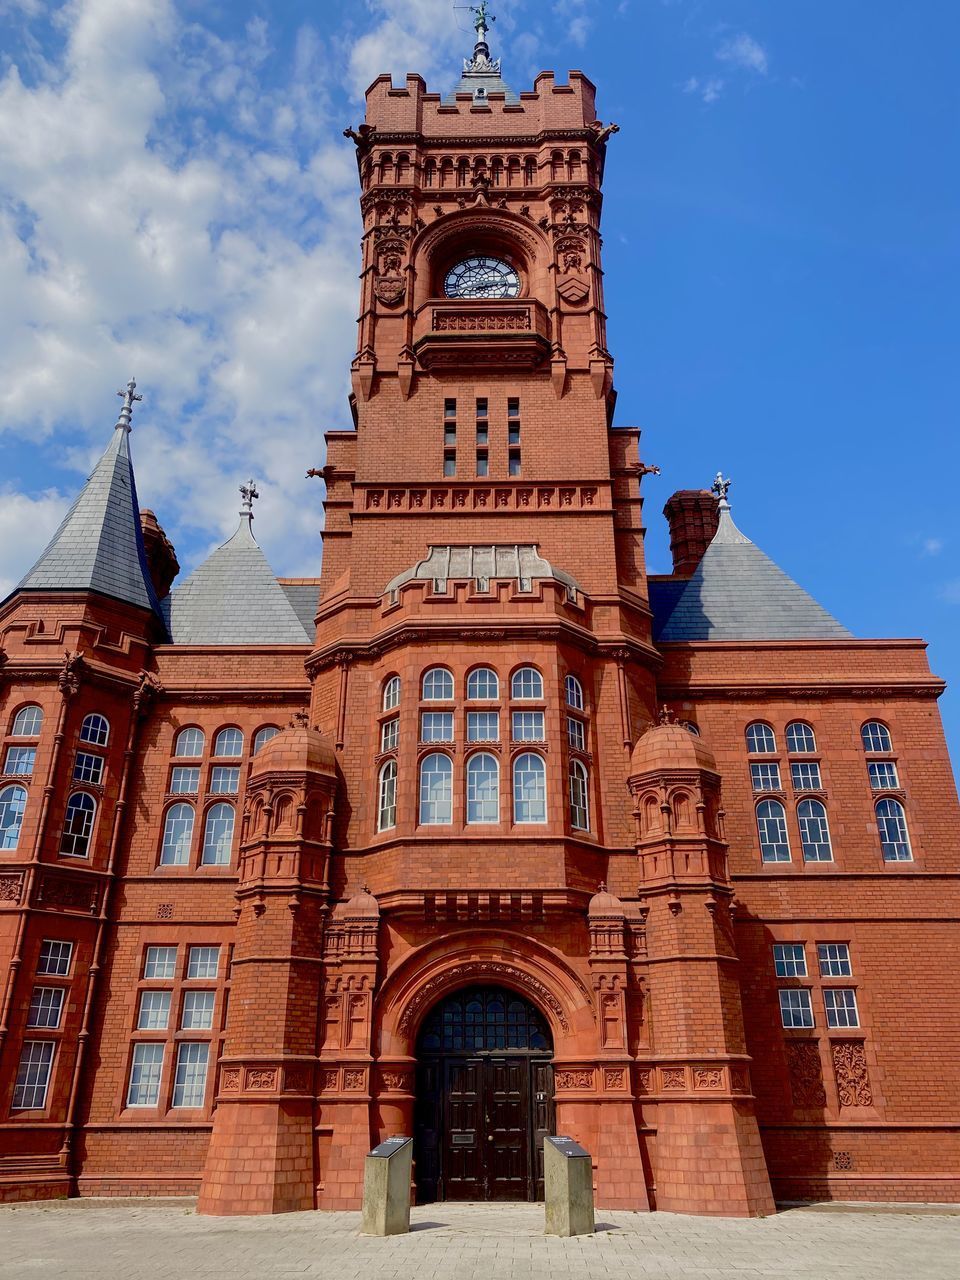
pixel 248 492
pixel 129 398
pixel 721 487
pixel 480 22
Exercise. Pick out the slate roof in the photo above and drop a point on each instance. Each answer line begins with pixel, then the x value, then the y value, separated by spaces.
pixel 303 597
pixel 489 82
pixel 99 545
pixel 233 598
pixel 738 593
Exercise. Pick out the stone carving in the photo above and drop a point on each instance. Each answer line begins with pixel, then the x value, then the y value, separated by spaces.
pixel 402 1080
pixel 566 1080
pixel 739 1080
pixel 614 1078
pixel 806 1074
pixel 390 285
pixel 354 1079
pixel 673 1078
pixel 644 1079
pixel 481 321
pixel 708 1077
pixel 843 1161
pixel 10 888
pixel 850 1069
pixel 296 1079
pixel 480 968
pixel 262 1079
pixel 230 1080
pixel 164 910
pixel 74 895
pixel 330 1079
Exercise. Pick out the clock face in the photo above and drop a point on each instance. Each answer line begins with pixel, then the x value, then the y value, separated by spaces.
pixel 482 278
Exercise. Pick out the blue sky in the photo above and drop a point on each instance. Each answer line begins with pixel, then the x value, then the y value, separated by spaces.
pixel 781 250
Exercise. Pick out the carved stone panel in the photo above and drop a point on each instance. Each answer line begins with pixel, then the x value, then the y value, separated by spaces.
pixel 806 1073
pixel 850 1069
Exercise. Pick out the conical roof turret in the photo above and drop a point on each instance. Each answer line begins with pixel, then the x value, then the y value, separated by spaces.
pixel 233 597
pixel 99 544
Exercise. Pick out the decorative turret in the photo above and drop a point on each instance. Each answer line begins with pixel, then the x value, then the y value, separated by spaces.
pixel 99 545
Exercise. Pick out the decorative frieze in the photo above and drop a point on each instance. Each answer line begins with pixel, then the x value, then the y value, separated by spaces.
pixel 567 1079
pixel 11 887
pixel 440 498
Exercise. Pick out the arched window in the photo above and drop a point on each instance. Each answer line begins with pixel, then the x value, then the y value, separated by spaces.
pixel 28 722
pixel 579 807
pixel 190 742
pixel 228 742
pixel 391 693
pixel 436 790
pixel 760 738
pixel 530 171
pixel 574 690
pixel 387 796
pixel 772 826
pixel 217 836
pixel 77 825
pixel 483 788
pixel 892 825
pixel 800 738
pixel 177 836
pixel 527 683
pixel 876 737
pixel 529 788
pixel 95 730
pixel 814 831
pixel 437 685
pixel 13 801
pixel 690 727
pixel 263 736
pixel 483 685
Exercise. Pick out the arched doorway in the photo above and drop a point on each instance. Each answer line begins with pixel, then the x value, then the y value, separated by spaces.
pixel 484 1100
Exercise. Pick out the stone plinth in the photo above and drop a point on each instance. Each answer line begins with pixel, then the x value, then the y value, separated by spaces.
pixel 568 1178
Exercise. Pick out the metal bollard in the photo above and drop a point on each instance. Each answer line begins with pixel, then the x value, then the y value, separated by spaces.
pixel 568 1179
pixel 386 1188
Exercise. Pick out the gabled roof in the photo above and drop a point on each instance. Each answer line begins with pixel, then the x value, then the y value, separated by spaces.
pixel 233 598
pixel 99 545
pixel 738 593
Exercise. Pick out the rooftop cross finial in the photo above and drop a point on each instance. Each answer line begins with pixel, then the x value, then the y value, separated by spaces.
pixel 721 487
pixel 248 492
pixel 129 398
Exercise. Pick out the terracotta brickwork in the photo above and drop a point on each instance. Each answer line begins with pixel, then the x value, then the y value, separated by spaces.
pixel 245 940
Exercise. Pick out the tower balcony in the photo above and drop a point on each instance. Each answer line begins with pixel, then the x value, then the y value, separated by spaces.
pixel 456 333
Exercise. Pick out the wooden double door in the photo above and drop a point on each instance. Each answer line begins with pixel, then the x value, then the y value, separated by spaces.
pixel 484 1100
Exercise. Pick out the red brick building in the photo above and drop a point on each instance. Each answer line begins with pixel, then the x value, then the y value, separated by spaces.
pixel 484 834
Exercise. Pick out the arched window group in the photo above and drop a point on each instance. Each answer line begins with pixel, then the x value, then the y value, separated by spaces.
pixel 13 802
pixel 491 789
pixel 811 811
pixel 194 772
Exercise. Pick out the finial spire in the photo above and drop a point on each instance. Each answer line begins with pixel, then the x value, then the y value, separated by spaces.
pixel 481 62
pixel 248 492
pixel 721 488
pixel 129 398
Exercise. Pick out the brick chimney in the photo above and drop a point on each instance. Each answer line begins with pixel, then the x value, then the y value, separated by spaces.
pixel 161 558
pixel 692 515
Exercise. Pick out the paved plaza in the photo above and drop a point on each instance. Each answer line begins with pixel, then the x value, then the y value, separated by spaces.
pixel 103 1240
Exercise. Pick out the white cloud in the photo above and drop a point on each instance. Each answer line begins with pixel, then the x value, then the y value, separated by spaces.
pixel 171 213
pixel 932 546
pixel 950 591
pixel 409 35
pixel 744 52
pixel 709 89
pixel 25 527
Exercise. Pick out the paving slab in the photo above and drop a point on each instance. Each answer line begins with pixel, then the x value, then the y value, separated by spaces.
pixel 107 1240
